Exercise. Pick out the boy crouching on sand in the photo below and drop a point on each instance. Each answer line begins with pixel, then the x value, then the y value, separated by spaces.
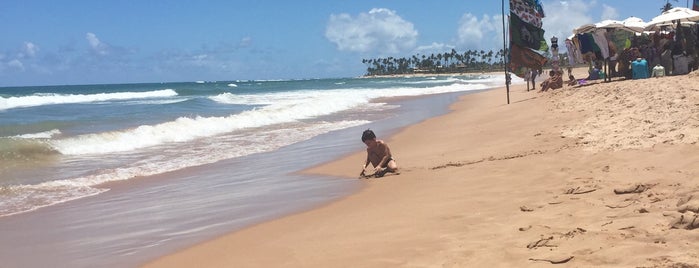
pixel 378 154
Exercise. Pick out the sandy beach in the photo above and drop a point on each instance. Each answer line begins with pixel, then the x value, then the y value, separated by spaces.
pixel 600 175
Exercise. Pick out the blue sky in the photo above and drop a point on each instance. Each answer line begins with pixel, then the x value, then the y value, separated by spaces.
pixel 97 42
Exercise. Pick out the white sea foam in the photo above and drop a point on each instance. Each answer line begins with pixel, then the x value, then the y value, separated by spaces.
pixel 40 135
pixel 277 108
pixel 157 101
pixel 220 134
pixel 23 198
pixel 284 108
pixel 49 99
pixel 355 95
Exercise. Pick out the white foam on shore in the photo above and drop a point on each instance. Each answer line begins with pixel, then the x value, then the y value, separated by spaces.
pixel 40 99
pixel 24 198
pixel 159 148
pixel 40 135
pixel 278 108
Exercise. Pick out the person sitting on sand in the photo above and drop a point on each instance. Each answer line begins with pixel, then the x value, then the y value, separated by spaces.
pixel 571 78
pixel 378 154
pixel 595 72
pixel 554 81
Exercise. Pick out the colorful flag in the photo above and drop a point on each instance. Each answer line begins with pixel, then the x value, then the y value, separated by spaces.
pixel 536 4
pixel 526 12
pixel 522 59
pixel 526 35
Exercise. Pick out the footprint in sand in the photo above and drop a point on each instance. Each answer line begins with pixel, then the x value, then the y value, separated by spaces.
pixel 634 189
pixel 687 214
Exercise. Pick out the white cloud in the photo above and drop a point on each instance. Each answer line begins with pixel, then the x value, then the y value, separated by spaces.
pixel 380 30
pixel 16 64
pixel 434 48
pixel 564 16
pixel 29 50
pixel 609 13
pixel 245 42
pixel 96 45
pixel 485 33
pixel 200 60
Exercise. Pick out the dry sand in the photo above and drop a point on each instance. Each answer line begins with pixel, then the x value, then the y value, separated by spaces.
pixel 605 174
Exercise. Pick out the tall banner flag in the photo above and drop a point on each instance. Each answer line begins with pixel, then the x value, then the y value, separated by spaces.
pixel 526 35
pixel 536 4
pixel 527 13
pixel 523 59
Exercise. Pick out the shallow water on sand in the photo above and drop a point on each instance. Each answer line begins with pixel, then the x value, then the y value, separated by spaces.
pixel 138 220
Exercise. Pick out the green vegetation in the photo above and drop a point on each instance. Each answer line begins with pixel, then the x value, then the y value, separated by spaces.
pixel 667 6
pixel 447 62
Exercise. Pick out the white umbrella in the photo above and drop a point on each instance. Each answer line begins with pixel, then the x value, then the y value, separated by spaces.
pixel 609 24
pixel 605 24
pixel 674 14
pixel 631 24
pixel 634 24
pixel 670 25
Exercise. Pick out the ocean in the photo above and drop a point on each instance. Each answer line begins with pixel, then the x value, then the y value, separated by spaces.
pixel 115 175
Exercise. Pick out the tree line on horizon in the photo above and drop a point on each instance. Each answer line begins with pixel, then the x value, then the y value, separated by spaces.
pixel 447 62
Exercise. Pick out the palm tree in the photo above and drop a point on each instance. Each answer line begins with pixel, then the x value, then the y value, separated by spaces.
pixel 416 61
pixel 469 55
pixel 445 62
pixel 489 55
pixel 667 6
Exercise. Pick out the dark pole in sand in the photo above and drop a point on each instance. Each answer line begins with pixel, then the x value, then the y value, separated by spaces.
pixel 504 54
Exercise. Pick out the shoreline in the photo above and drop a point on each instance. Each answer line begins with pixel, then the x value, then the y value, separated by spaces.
pixel 507 185
pixel 431 74
pixel 153 216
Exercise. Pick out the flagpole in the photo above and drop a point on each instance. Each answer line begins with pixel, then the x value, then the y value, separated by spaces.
pixel 505 52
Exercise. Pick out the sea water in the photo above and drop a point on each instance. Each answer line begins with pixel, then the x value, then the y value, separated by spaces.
pixel 117 174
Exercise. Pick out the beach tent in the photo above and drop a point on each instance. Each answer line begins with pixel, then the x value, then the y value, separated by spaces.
pixel 584 29
pixel 630 24
pixel 678 13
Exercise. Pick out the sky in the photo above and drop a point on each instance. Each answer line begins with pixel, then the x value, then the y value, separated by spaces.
pixel 104 42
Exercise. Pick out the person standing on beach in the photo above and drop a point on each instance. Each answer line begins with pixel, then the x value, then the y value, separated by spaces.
pixel 533 77
pixel 378 154
pixel 528 78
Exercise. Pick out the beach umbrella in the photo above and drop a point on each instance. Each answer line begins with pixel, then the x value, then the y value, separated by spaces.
pixel 609 24
pixel 633 24
pixel 678 13
pixel 605 24
pixel 666 25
